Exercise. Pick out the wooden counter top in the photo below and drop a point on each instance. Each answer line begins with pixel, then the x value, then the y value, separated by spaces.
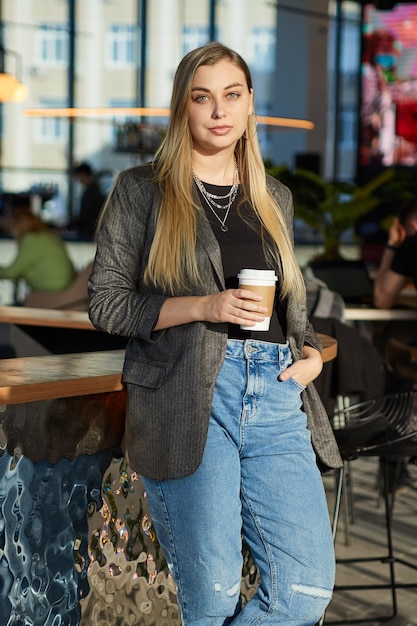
pixel 329 347
pixel 29 379
pixel 371 314
pixel 45 317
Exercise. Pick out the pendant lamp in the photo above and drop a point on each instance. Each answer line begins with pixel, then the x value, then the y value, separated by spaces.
pixel 11 89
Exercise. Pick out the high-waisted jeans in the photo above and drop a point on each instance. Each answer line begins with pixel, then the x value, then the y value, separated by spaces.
pixel 258 478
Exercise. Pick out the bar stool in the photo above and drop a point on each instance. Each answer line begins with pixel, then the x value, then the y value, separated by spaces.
pixel 384 427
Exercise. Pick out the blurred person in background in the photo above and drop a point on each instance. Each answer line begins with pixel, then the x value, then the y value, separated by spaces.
pixel 92 200
pixel 42 260
pixel 398 265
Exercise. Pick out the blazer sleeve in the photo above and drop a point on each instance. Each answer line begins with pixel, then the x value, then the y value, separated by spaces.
pixel 118 302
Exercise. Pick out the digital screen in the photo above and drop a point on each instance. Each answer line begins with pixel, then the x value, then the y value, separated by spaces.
pixel 388 108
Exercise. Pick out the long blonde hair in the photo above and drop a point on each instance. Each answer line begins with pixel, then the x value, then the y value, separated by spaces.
pixel 172 261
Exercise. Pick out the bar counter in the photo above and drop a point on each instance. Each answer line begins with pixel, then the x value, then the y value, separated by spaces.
pixel 60 376
pixel 77 545
pixel 51 318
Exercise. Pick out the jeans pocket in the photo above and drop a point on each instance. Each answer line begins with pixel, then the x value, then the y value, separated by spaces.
pixel 299 386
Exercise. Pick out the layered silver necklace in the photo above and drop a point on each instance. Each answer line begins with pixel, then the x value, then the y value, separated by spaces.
pixel 212 199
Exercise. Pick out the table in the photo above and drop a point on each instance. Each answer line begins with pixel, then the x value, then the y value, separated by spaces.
pixel 61 406
pixel 405 309
pixel 52 318
pixel 31 379
pixel 59 332
pixel 329 347
pixel 370 314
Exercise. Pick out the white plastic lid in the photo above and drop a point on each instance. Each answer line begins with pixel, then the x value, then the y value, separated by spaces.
pixel 257 274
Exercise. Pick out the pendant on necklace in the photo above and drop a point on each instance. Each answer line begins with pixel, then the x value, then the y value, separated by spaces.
pixel 224 228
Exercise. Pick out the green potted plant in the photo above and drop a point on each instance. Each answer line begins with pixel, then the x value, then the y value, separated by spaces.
pixel 329 207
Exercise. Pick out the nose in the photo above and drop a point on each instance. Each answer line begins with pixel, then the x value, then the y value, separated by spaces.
pixel 218 111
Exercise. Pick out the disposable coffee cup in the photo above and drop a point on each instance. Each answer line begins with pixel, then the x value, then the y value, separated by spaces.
pixel 262 282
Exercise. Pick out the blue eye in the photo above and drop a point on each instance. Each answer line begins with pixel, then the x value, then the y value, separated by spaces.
pixel 202 98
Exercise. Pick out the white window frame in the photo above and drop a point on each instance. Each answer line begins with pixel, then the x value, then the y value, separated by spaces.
pixel 52 44
pixel 121 45
pixel 194 37
pixel 262 48
pixel 51 130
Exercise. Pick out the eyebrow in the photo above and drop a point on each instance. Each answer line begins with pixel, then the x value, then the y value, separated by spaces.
pixel 225 88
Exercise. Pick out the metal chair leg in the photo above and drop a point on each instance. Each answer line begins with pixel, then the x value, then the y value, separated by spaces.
pixel 388 559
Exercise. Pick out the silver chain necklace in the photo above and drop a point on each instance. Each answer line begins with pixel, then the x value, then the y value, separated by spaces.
pixel 211 198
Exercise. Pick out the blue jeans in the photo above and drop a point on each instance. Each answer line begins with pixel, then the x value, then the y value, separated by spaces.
pixel 258 478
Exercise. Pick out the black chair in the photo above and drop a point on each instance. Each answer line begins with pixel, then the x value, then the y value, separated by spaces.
pixel 349 278
pixel 384 427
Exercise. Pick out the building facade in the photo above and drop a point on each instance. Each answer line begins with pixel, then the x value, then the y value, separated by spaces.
pixel 115 54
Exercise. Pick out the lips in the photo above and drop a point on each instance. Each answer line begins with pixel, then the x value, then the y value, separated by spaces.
pixel 220 130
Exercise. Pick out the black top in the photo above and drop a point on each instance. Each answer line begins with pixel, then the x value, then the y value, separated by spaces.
pixel 405 259
pixel 241 247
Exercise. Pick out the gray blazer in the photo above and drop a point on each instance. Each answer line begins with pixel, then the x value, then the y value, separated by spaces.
pixel 170 374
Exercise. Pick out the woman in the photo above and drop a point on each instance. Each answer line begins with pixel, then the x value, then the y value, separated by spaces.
pixel 214 422
pixel 42 259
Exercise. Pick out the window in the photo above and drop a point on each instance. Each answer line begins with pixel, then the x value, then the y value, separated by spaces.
pixel 348 127
pixel 262 48
pixel 52 129
pixel 119 121
pixel 53 44
pixel 122 44
pixel 194 37
pixel 343 103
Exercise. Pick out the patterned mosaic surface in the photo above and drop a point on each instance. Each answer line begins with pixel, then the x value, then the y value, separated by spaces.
pixel 77 546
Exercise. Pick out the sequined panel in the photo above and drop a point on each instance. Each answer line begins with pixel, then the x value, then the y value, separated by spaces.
pixel 129 579
pixel 128 575
pixel 77 546
pixel 44 537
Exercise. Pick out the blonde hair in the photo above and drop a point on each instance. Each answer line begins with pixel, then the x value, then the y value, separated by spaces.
pixel 172 261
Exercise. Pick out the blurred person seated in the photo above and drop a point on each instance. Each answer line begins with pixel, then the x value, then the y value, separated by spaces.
pixel 92 200
pixel 42 260
pixel 398 265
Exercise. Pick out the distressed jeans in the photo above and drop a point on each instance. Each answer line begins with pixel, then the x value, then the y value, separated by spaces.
pixel 258 479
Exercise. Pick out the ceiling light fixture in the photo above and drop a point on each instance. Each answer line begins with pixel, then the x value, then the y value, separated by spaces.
pixel 11 88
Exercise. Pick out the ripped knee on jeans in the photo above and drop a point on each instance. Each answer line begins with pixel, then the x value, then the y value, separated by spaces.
pixel 309 601
pixel 230 592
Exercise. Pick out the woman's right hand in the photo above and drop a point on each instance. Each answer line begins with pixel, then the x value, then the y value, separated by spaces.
pixel 233 306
